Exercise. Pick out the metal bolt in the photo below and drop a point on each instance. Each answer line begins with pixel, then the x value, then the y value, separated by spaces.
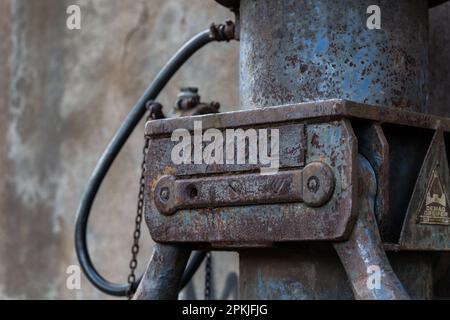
pixel 318 184
pixel 313 184
pixel 188 98
pixel 164 194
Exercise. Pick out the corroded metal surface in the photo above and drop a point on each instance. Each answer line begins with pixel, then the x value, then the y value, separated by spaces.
pixel 372 144
pixel 427 222
pixel 415 271
pixel 162 278
pixel 248 226
pixel 326 110
pixel 310 271
pixel 364 249
pixel 318 184
pixel 331 143
pixel 308 132
pixel 292 146
pixel 299 51
pixel 313 185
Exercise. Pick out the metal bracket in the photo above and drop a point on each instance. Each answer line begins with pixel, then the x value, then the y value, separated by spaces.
pixel 314 185
pixel 232 206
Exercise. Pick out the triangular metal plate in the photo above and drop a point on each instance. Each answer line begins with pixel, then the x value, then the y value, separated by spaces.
pixel 427 222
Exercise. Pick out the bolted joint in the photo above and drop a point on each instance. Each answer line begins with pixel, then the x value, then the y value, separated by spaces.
pixel 188 99
pixel 223 32
pixel 164 195
pixel 155 110
pixel 189 103
pixel 318 184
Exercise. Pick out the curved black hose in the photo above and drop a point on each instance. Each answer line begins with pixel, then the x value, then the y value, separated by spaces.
pixel 194 263
pixel 110 154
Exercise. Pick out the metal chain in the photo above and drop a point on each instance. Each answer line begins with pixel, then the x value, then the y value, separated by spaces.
pixel 138 222
pixel 208 272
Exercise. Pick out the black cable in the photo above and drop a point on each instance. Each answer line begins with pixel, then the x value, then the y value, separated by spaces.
pixel 110 155
pixel 194 263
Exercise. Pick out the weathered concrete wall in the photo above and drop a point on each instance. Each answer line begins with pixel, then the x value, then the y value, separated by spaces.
pixel 62 96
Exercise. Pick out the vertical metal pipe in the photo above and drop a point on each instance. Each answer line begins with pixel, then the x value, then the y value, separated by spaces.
pixel 307 50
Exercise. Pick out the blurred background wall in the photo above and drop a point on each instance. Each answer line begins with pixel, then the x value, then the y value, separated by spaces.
pixel 62 96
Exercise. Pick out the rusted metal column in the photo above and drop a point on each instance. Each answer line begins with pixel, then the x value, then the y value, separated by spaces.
pixel 299 51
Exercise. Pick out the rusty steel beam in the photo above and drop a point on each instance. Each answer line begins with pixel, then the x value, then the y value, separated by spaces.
pixel 364 249
pixel 327 110
pixel 162 279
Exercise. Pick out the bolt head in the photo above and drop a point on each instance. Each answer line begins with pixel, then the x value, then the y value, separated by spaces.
pixel 318 184
pixel 313 184
pixel 164 194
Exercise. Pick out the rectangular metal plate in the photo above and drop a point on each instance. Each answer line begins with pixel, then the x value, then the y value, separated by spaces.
pixel 302 141
pixel 292 152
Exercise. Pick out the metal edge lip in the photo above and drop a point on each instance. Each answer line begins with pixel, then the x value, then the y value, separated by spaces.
pixel 253 117
pixel 235 3
pixel 326 110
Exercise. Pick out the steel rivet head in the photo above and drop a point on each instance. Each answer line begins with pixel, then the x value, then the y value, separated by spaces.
pixel 313 184
pixel 164 194
pixel 318 184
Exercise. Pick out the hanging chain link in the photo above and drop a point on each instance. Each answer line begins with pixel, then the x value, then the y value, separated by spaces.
pixel 155 112
pixel 139 216
pixel 208 273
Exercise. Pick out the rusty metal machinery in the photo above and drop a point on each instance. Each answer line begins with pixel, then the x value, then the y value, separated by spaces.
pixel 333 186
pixel 362 180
